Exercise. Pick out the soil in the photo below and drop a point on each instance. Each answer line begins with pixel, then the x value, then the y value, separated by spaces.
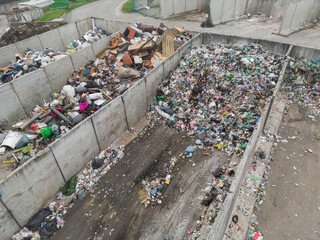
pixel 292 206
pixel 24 31
pixel 115 211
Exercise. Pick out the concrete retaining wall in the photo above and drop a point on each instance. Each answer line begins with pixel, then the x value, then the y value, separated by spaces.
pixel 81 57
pixel 297 15
pixel 173 7
pixel 32 89
pixel 40 177
pixel 32 188
pixel 226 10
pixel 110 122
pixel 27 16
pixel 68 33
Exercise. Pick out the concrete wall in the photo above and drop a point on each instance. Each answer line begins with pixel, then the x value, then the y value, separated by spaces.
pixel 173 7
pixel 58 72
pixel 227 10
pixel 27 16
pixel 81 57
pixel 110 122
pixel 73 150
pixel 26 189
pixel 7 54
pixel 68 33
pixel 135 102
pixel 297 15
pixel 29 84
pixel 52 39
pixel 10 225
pixel 11 108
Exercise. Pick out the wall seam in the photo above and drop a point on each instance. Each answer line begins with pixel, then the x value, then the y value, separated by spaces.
pixel 125 112
pixel 19 98
pixel 5 206
pixel 95 133
pixel 55 159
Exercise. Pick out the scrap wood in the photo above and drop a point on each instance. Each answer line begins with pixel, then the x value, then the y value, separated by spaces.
pixel 168 46
pixel 103 92
pixel 140 46
pixel 179 30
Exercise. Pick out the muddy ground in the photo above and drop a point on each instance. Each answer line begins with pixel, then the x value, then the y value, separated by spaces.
pixel 292 206
pixel 115 211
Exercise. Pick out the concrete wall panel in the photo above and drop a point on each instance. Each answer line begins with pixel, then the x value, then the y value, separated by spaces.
pixel 197 40
pixel 166 8
pixel 301 15
pixel 216 9
pixel 309 53
pixel 30 187
pixel 58 72
pixel 285 27
pixel 253 6
pixel 153 79
pixel 7 54
pixel 10 109
pixel 82 57
pixel 8 226
pixel 68 33
pixel 274 47
pixel 135 102
pixel 214 38
pixel 84 26
pixel 191 5
pixel 170 64
pixel 179 6
pixel 101 45
pixel 228 10
pixel 116 26
pixel 110 122
pixel 32 43
pixel 29 84
pixel 75 149
pixel 241 40
pixel 240 8
pixel 101 23
pixel 52 39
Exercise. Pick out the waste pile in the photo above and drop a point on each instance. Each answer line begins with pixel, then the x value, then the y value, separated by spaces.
pixel 44 224
pixel 34 60
pixel 24 31
pixel 217 94
pixel 87 39
pixel 302 84
pixel 48 221
pixel 213 198
pixel 143 47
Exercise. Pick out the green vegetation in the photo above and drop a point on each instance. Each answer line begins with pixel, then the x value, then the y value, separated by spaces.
pixel 51 14
pixel 127 6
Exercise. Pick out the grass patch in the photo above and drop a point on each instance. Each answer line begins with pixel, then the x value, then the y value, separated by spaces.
pixel 127 6
pixel 51 14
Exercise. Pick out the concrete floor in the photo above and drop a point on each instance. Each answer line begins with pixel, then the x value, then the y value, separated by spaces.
pixel 291 208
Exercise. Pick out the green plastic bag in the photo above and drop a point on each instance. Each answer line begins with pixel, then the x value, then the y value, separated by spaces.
pixel 69 187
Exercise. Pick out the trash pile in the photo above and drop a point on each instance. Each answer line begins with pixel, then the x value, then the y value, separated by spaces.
pixel 87 39
pixel 34 60
pixel 44 224
pixel 154 187
pixel 78 187
pixel 48 221
pixel 218 93
pixel 213 198
pixel 24 31
pixel 302 84
pixel 142 47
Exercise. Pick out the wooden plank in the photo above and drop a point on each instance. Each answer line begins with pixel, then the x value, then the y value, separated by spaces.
pixel 168 46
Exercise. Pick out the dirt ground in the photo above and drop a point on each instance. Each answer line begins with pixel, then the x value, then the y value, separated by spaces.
pixel 115 211
pixel 292 206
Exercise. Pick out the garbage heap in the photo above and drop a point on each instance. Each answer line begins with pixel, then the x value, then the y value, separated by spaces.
pixel 144 47
pixel 302 84
pixel 217 94
pixel 34 60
